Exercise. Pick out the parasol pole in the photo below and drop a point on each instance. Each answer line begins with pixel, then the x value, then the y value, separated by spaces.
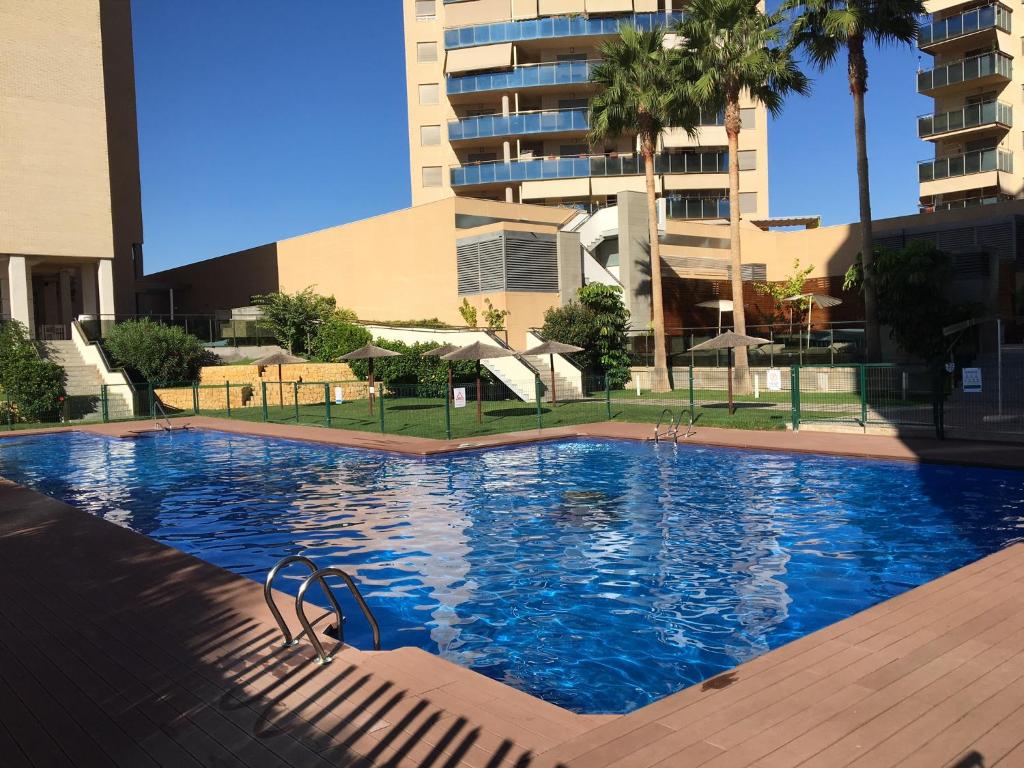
pixel 451 385
pixel 729 352
pixel 370 388
pixel 280 385
pixel 554 394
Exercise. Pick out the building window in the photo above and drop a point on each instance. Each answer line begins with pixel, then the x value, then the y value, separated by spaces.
pixel 430 135
pixel 748 202
pixel 426 52
pixel 432 176
pixel 429 94
pixel 748 117
pixel 426 10
pixel 747 159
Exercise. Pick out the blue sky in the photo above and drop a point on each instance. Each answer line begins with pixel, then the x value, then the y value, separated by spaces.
pixel 263 119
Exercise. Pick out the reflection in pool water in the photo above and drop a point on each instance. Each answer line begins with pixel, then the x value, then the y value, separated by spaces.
pixel 599 575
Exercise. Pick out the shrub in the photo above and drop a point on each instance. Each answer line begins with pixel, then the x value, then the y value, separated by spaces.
pixel 468 312
pixel 33 387
pixel 428 374
pixel 157 353
pixel 336 337
pixel 294 318
pixel 596 321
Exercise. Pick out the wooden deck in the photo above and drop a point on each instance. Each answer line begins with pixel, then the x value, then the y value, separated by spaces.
pixel 117 650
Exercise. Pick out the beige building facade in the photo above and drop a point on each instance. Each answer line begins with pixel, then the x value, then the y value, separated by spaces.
pixel 70 204
pixel 498 94
pixel 977 90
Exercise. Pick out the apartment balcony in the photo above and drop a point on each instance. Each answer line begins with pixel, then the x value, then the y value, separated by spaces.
pixel 973 118
pixel 583 167
pixel 978 71
pixel 553 27
pixel 549 75
pixel 547 122
pixel 972 170
pixel 980 23
pixel 959 203
pixel 693 208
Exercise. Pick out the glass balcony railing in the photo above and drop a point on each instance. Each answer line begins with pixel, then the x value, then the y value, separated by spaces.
pixel 697 207
pixel 971 116
pixel 550 121
pixel 979 161
pixel 496 172
pixel 993 16
pixel 964 70
pixel 964 202
pixel 553 27
pixel 526 76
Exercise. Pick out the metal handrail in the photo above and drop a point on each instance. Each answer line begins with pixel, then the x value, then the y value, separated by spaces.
pixel 166 426
pixel 268 595
pixel 300 610
pixel 673 426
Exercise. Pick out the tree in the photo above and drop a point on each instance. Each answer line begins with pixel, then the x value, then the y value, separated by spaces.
pixel 335 337
pixel 640 96
pixel 784 289
pixel 413 375
pixel 31 388
pixel 293 318
pixel 157 353
pixel 824 28
pixel 912 285
pixel 731 49
pixel 495 318
pixel 468 312
pixel 598 322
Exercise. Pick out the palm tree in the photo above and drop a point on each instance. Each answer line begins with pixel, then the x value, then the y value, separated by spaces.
pixel 731 49
pixel 824 28
pixel 640 96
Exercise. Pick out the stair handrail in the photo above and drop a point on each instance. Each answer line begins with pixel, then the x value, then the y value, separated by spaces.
pixel 268 595
pixel 300 610
pixel 673 425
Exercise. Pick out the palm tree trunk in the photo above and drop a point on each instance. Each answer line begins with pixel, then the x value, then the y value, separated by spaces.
pixel 858 73
pixel 660 381
pixel 741 371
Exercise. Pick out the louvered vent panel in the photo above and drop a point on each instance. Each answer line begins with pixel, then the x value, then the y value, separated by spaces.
pixel 957 239
pixel 971 265
pixel 531 264
pixel 492 265
pixel 998 239
pixel 889 242
pixel 927 237
pixel 467 259
pixel 754 272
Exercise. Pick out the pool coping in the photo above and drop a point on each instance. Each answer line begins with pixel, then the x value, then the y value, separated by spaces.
pixel 1000 455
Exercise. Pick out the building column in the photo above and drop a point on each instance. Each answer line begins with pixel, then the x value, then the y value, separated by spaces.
pixel 67 309
pixel 87 278
pixel 105 277
pixel 19 280
pixel 506 105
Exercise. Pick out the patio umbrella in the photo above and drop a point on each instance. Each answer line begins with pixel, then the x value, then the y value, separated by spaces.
pixel 444 349
pixel 819 300
pixel 279 359
pixel 478 351
pixel 730 340
pixel 722 305
pixel 552 348
pixel 370 352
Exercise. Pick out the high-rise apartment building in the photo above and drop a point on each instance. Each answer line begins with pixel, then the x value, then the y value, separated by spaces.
pixel 498 95
pixel 976 94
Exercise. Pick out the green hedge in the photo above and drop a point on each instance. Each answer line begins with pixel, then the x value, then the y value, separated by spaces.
pixel 154 352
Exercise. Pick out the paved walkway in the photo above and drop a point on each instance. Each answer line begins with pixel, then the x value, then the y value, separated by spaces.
pixel 117 650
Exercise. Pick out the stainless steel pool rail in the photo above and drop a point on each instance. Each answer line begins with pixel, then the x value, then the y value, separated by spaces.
pixel 671 430
pixel 166 426
pixel 316 575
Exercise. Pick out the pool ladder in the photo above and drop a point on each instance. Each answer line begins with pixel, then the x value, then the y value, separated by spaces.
pixel 317 575
pixel 663 431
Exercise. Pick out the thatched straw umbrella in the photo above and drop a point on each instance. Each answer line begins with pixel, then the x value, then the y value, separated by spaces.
pixel 730 340
pixel 279 359
pixel 444 349
pixel 478 351
pixel 369 352
pixel 552 348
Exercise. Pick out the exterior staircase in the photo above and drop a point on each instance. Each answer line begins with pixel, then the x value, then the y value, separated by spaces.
pixel 83 382
pixel 565 388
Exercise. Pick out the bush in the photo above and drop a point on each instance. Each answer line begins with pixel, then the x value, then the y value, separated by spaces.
pixel 294 318
pixel 429 374
pixel 157 353
pixel 596 321
pixel 337 337
pixel 33 387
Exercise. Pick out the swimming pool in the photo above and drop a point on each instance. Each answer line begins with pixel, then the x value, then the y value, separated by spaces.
pixel 599 575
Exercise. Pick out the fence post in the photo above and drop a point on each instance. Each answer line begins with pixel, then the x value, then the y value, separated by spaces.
pixel 295 394
pixel 692 401
pixel 863 394
pixel 448 416
pixel 266 413
pixel 152 400
pixel 608 396
pixel 536 394
pixel 794 394
pixel 104 404
pixel 195 398
pixel 327 404
pixel 227 392
pixel 380 403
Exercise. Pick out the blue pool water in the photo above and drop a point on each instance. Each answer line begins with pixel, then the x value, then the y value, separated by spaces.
pixel 599 575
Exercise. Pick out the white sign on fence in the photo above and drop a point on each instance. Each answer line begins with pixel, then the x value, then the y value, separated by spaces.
pixel 460 397
pixel 339 395
pixel 773 380
pixel 972 379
